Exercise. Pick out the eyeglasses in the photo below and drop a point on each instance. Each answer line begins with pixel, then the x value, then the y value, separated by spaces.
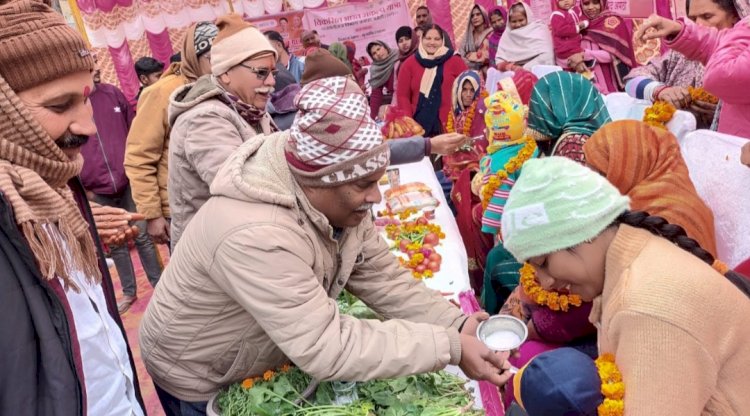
pixel 261 73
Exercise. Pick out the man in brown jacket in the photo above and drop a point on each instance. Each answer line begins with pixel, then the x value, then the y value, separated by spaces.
pixel 148 141
pixel 212 117
pixel 252 284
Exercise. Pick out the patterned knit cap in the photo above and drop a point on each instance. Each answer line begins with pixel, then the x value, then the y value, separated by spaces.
pixel 505 119
pixel 333 140
pixel 37 45
pixel 557 204
pixel 203 37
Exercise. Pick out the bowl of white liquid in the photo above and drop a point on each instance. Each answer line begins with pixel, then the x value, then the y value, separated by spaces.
pixel 502 332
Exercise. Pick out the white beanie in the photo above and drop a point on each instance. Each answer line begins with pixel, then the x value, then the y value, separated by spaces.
pixel 236 42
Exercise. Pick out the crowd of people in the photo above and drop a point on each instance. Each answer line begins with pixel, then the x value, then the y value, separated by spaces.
pixel 259 170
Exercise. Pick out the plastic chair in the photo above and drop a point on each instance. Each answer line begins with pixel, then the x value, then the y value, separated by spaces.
pixel 621 106
pixel 542 70
pixel 713 160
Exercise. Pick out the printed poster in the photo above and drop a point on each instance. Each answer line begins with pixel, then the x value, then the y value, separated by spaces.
pixel 361 23
pixel 288 24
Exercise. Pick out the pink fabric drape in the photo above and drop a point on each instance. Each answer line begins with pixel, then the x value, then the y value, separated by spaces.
pixel 488 392
pixel 161 46
pixel 123 63
pixel 663 9
pixel 441 16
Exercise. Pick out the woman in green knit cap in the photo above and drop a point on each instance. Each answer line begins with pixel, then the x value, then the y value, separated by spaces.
pixel 679 353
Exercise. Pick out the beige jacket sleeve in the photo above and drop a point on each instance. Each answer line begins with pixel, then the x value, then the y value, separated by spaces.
pixel 665 369
pixel 209 141
pixel 267 269
pixel 144 149
pixel 390 290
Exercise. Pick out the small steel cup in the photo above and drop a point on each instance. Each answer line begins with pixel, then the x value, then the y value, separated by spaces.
pixel 505 323
pixel 499 323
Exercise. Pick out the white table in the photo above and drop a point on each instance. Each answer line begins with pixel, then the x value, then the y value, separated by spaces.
pixel 453 277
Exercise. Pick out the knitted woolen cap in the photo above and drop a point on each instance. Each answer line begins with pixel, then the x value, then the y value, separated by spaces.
pixel 236 42
pixel 557 204
pixel 333 140
pixel 319 63
pixel 37 45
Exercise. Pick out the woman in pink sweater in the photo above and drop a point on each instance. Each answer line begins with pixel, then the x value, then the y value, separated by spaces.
pixel 672 316
pixel 726 56
pixel 425 81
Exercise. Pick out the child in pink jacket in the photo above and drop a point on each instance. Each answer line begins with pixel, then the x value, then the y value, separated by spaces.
pixel 726 56
pixel 566 29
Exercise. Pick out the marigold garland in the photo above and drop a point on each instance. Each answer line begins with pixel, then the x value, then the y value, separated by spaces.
pixel 553 300
pixel 513 165
pixel 613 388
pixel 699 94
pixel 469 120
pixel 659 114
pixel 249 382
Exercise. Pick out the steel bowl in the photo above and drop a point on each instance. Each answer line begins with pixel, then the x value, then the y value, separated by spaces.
pixel 499 323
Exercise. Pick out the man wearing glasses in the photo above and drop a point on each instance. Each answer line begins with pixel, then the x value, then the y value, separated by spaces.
pixel 215 115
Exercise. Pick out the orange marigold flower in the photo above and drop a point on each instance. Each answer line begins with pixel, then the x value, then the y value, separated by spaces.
pixel 247 383
pixel 285 368
pixel 268 375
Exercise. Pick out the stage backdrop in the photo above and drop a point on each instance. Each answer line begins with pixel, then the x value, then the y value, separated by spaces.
pixel 121 31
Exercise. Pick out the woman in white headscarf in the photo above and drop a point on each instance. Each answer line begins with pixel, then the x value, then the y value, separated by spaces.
pixel 527 43
pixel 476 45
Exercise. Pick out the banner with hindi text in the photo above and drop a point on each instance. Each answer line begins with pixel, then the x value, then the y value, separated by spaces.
pixel 361 23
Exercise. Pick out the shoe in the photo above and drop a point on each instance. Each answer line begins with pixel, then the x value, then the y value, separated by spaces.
pixel 126 302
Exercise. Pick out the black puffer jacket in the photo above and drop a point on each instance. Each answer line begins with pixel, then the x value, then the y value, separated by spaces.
pixel 41 366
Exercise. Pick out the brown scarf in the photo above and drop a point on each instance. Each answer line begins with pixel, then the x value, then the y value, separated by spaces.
pixel 34 173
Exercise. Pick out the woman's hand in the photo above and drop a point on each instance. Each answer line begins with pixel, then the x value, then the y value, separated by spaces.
pixel 575 60
pixel 703 111
pixel 679 97
pixel 660 28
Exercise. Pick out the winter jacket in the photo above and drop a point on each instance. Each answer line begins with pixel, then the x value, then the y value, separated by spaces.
pixel 410 77
pixel 205 132
pixel 148 146
pixel 726 56
pixel 42 369
pixel 103 155
pixel 252 285
pixel 677 328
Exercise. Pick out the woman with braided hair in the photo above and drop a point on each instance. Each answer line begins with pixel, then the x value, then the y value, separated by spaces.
pixel 679 352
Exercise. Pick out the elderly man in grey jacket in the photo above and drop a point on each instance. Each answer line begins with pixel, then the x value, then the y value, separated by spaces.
pixel 253 283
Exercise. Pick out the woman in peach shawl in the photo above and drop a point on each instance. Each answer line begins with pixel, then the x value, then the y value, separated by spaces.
pixel 645 163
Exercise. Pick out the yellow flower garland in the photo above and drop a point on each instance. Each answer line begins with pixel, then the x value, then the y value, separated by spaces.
pixel 551 299
pixel 510 167
pixel 699 94
pixel 613 388
pixel 659 114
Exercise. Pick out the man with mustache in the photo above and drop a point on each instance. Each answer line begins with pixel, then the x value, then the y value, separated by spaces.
pixel 64 350
pixel 254 281
pixel 214 116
